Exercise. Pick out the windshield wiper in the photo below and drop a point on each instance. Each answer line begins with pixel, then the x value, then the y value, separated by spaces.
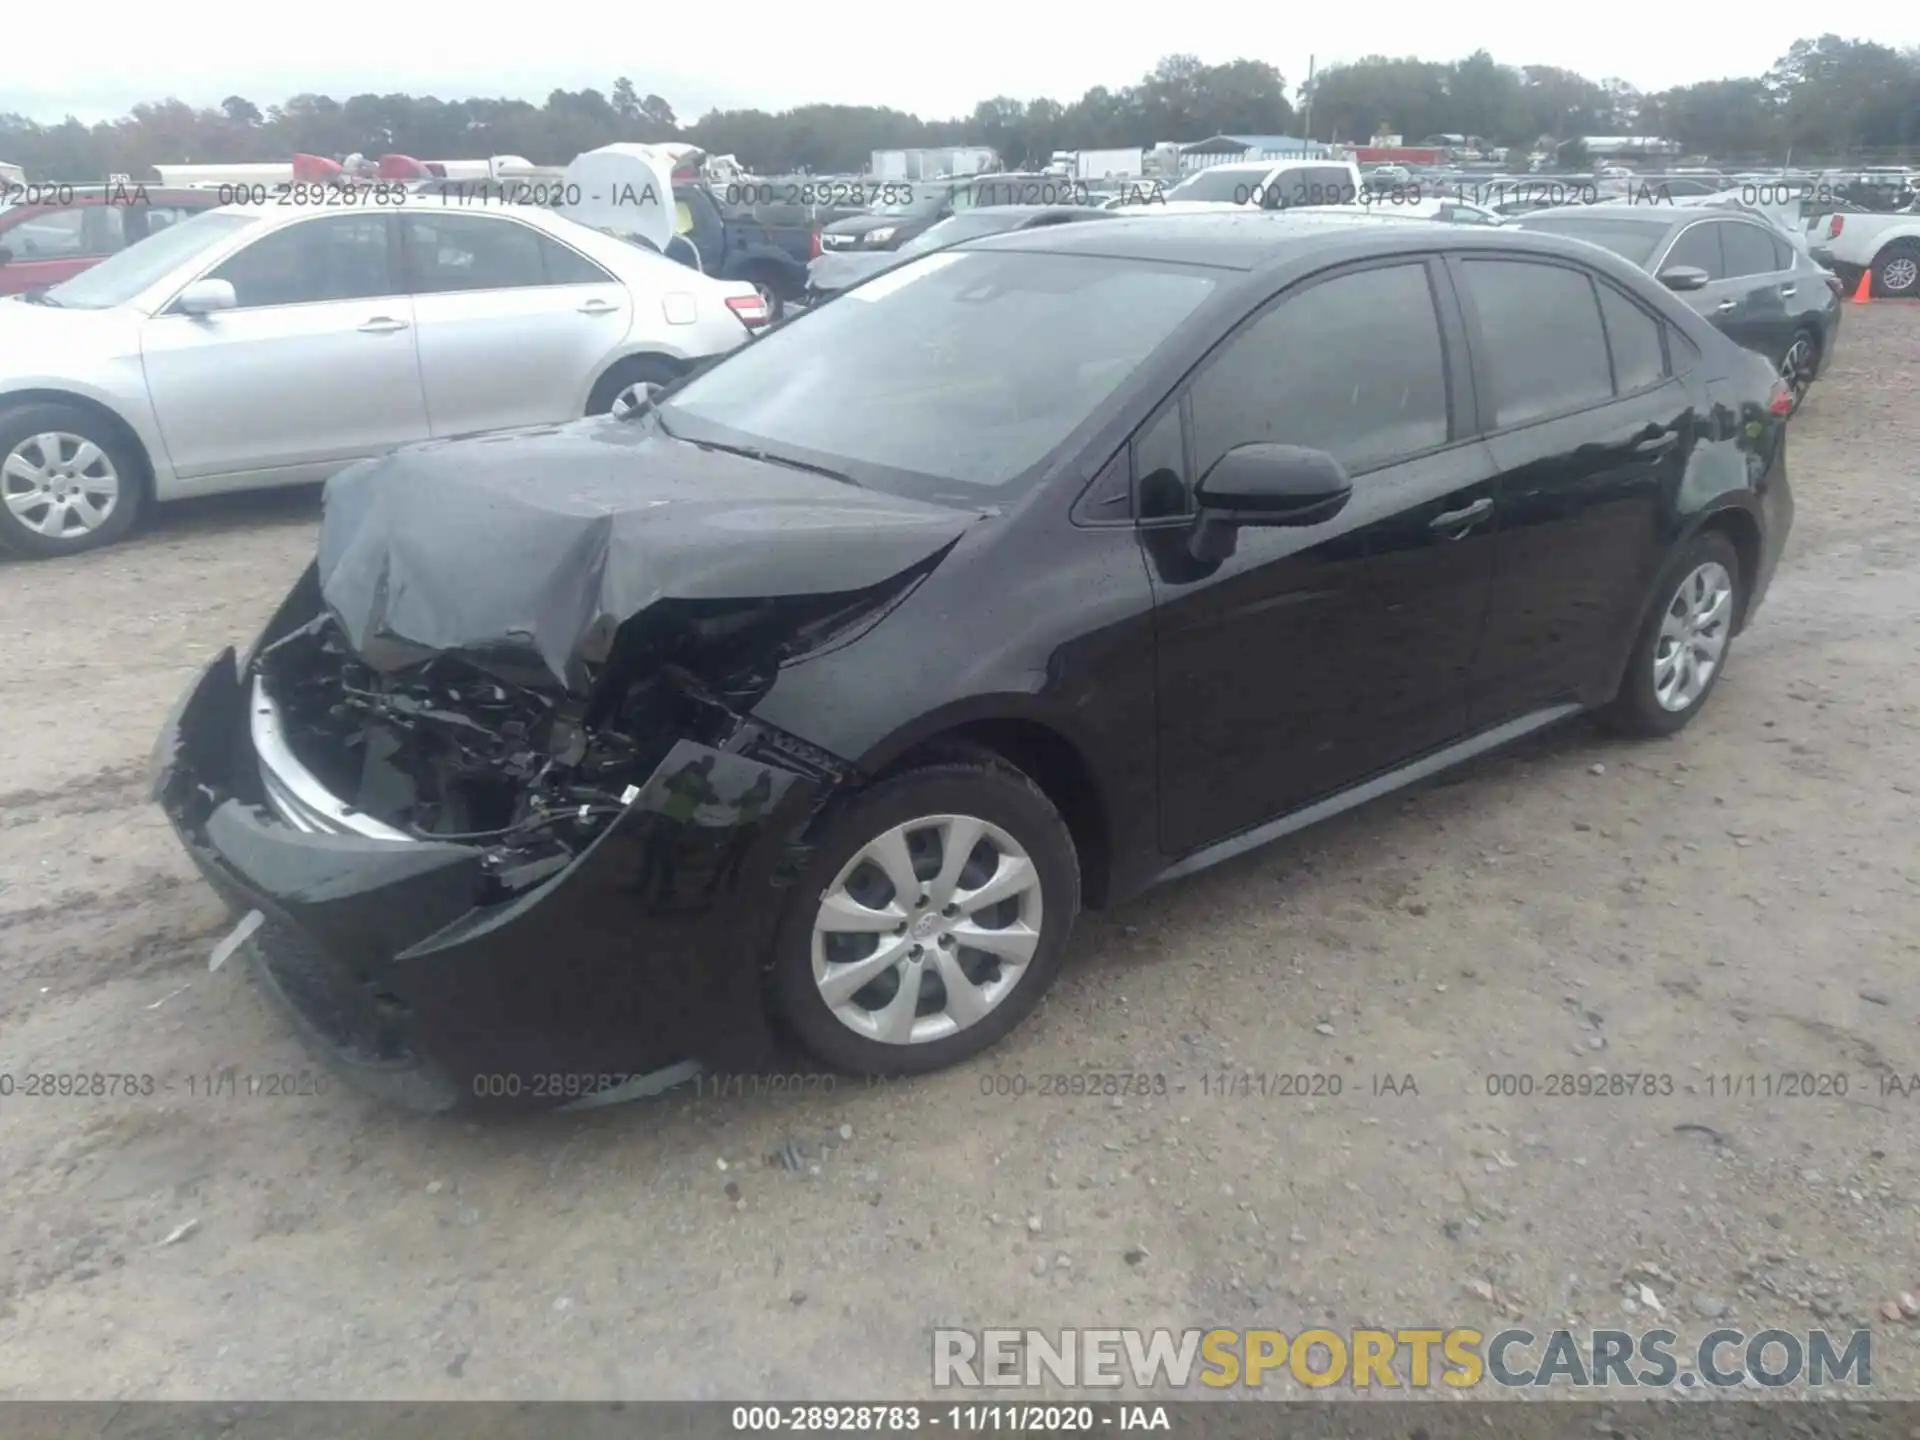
pixel 752 452
pixel 40 297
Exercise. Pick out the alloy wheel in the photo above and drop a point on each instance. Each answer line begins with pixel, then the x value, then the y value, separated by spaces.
pixel 1693 636
pixel 1899 274
pixel 631 398
pixel 1796 368
pixel 926 929
pixel 59 485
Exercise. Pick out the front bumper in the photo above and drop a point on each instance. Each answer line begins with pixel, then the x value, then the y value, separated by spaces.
pixel 408 966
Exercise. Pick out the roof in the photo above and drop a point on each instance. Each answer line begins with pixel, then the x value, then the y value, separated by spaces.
pixel 1215 143
pixel 1649 215
pixel 1250 239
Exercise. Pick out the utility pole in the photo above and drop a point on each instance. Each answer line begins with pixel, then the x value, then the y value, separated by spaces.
pixel 1306 113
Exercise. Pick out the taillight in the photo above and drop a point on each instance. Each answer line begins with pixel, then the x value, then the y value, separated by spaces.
pixel 813 249
pixel 1835 226
pixel 1781 401
pixel 751 310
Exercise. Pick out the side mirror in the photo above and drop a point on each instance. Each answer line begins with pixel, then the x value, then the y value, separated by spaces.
pixel 203 297
pixel 1684 277
pixel 1265 484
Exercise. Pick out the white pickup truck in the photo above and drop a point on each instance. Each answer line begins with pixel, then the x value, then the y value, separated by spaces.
pixel 1850 243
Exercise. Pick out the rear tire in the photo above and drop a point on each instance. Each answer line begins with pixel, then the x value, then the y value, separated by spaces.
pixel 621 386
pixel 1896 271
pixel 1663 688
pixel 69 481
pixel 1798 365
pixel 964 998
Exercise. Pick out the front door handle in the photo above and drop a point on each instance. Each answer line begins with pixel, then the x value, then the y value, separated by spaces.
pixel 1725 305
pixel 1656 444
pixel 598 307
pixel 1788 289
pixel 1461 519
pixel 382 325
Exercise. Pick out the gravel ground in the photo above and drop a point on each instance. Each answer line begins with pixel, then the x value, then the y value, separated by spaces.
pixel 1742 901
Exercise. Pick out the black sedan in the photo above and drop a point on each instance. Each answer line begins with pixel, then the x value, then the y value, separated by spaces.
pixel 1736 270
pixel 812 702
pixel 834 271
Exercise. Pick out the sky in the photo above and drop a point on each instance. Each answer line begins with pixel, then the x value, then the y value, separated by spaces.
pixel 935 64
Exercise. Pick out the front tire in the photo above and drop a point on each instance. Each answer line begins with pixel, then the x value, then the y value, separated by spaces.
pixel 69 481
pixel 933 916
pixel 1684 645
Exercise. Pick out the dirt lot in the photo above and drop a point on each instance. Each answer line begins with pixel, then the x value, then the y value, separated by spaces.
pixel 1743 901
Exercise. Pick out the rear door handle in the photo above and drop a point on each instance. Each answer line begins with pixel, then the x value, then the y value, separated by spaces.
pixel 598 307
pixel 382 325
pixel 1656 444
pixel 1788 289
pixel 1725 305
pixel 1457 519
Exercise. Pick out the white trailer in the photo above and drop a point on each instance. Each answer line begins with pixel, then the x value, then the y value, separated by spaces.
pixel 931 163
pixel 1121 164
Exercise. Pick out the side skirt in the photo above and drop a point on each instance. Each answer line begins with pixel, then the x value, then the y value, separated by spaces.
pixel 1409 774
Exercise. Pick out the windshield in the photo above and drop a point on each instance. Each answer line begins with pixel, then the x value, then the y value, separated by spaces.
pixel 953 230
pixel 1227 183
pixel 952 376
pixel 117 279
pixel 1631 240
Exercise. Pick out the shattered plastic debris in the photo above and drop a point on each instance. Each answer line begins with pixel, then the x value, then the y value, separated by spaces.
pixel 223 952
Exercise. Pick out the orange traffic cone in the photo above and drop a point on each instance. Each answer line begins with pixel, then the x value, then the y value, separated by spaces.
pixel 1864 290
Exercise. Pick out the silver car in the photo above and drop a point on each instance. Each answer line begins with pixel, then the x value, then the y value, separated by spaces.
pixel 257 346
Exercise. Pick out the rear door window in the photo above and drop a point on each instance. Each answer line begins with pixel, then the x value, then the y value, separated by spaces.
pixel 1543 346
pixel 1748 250
pixel 1633 337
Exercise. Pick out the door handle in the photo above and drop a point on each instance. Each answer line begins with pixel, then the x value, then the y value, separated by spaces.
pixel 1788 289
pixel 1459 519
pixel 1656 444
pixel 382 325
pixel 598 307
pixel 1726 305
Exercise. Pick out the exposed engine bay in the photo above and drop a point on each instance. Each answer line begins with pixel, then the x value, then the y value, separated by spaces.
pixel 459 750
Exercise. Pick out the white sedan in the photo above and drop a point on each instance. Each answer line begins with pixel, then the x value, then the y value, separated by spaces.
pixel 258 346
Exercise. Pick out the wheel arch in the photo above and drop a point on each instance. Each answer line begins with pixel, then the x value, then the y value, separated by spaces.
pixel 123 429
pixel 1739 526
pixel 1047 757
pixel 680 364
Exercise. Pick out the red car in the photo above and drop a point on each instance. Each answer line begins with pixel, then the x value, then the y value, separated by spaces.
pixel 49 232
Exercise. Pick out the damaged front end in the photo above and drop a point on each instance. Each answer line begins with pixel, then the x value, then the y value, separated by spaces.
pixel 479 882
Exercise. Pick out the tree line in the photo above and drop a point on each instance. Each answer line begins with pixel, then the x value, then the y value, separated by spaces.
pixel 1825 100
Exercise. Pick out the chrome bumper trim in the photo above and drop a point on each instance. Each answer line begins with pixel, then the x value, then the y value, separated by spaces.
pixel 293 792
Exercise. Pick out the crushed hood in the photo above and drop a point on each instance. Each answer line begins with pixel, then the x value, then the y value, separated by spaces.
pixel 545 541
